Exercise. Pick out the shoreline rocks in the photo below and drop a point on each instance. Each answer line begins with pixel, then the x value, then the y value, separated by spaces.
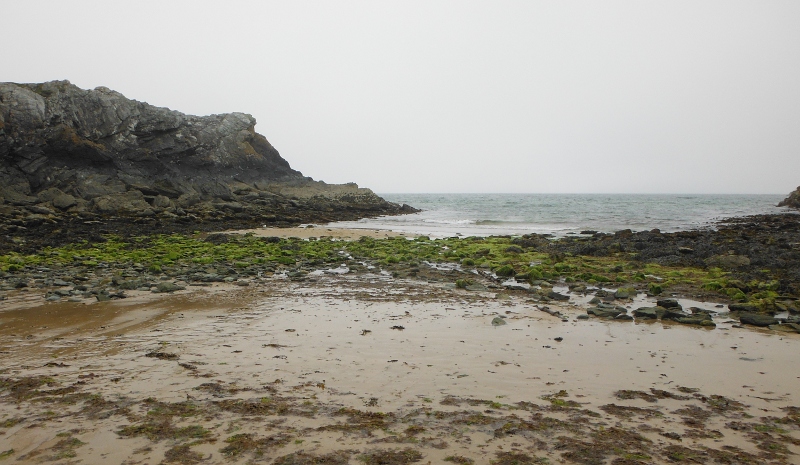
pixel 739 247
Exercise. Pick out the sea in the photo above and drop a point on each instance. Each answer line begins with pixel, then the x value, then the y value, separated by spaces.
pixel 448 215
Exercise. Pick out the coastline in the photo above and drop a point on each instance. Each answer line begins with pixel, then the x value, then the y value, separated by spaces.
pixel 318 345
pixel 166 298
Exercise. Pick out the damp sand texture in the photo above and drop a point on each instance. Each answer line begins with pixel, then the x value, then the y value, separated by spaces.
pixel 369 369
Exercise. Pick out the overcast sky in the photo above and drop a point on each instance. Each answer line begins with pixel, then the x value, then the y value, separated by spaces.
pixel 457 96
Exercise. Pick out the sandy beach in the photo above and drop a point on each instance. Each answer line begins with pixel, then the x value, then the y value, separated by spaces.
pixel 369 369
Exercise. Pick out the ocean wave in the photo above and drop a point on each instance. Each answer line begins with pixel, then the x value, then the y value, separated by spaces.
pixel 500 222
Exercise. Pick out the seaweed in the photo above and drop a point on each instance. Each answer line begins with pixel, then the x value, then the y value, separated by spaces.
pixel 239 444
pixel 339 457
pixel 390 457
pixel 182 454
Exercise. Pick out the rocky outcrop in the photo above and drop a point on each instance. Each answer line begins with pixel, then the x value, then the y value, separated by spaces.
pixel 793 201
pixel 65 151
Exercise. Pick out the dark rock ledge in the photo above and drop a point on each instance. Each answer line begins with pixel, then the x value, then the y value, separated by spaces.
pixel 77 162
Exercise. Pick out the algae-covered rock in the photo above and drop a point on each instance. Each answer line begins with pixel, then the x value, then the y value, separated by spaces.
pixel 505 271
pixel 700 319
pixel 166 286
pixel 625 293
pixel 747 308
pixel 728 261
pixel 497 321
pixel 605 312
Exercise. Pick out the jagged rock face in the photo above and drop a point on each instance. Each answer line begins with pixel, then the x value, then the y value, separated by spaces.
pixel 67 150
pixel 75 163
pixel 793 201
pixel 97 142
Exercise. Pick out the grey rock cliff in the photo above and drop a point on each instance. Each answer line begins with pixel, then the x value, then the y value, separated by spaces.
pixel 97 142
pixel 68 150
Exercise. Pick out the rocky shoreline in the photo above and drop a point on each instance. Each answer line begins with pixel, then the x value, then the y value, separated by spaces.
pixel 29 229
pixel 76 163
pixel 93 184
pixel 758 285
pixel 751 249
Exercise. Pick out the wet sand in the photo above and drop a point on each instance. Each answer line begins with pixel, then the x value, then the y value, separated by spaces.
pixel 369 369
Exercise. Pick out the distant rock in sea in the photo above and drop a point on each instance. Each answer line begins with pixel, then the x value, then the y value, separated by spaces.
pixel 95 153
pixel 793 201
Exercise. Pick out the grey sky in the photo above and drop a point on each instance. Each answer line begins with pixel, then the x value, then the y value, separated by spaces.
pixel 457 96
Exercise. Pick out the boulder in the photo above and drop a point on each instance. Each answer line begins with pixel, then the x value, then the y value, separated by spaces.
pixel 669 303
pixel 728 261
pixel 128 202
pixel 166 286
pixel 557 296
pixel 189 200
pixel 605 312
pixel 673 314
pixel 161 201
pixel 697 311
pixel 625 293
pixel 17 198
pixel 701 319
pixel 48 195
pixel 757 319
pixel 649 313
pixel 64 201
pixel 747 308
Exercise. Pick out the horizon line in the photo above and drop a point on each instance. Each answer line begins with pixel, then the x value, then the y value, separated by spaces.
pixel 574 193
